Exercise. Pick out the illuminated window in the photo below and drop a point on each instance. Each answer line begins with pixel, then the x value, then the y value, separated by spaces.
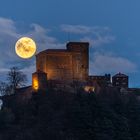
pixel 35 83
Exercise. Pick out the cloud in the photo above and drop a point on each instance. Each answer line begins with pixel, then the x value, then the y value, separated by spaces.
pixel 81 29
pixel 42 38
pixel 9 34
pixel 109 63
pixel 29 70
pixel 98 41
pixel 95 35
pixel 100 36
pixel 7 27
pixel 75 29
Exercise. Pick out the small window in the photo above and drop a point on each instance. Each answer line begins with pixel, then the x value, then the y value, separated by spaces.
pixel 117 83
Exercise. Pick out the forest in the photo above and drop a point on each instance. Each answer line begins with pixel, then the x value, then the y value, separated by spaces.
pixel 58 115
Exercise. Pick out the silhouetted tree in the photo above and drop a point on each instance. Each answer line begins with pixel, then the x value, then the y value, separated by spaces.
pixel 3 88
pixel 16 79
pixel 70 116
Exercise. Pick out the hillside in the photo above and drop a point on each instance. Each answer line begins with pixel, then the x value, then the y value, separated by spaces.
pixel 68 116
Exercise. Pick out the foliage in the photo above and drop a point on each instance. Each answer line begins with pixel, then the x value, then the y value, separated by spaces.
pixel 68 116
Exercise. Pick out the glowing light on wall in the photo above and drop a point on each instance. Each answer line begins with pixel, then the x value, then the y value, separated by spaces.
pixel 89 89
pixel 35 84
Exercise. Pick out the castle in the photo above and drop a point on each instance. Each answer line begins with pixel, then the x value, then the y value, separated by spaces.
pixel 66 66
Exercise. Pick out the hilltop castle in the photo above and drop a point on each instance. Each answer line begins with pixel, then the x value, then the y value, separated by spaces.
pixel 65 66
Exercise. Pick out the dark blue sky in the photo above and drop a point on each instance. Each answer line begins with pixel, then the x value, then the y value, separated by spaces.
pixel 111 27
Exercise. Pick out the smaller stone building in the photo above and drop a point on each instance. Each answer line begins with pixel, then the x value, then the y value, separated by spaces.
pixel 100 79
pixel 62 67
pixel 67 67
pixel 120 80
pixel 39 81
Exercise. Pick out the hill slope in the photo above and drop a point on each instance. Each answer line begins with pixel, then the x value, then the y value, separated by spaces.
pixel 67 116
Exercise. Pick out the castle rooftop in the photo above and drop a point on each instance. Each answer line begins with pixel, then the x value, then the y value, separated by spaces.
pixel 120 75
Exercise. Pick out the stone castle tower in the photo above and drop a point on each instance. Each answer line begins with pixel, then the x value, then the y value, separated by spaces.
pixel 70 64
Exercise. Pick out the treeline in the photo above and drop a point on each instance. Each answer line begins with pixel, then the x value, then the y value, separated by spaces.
pixel 68 116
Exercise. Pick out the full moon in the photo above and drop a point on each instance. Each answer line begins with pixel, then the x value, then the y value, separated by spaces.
pixel 25 47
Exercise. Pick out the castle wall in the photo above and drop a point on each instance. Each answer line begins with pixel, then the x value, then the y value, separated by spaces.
pixel 58 66
pixel 39 81
pixel 67 65
pixel 76 66
pixel 81 60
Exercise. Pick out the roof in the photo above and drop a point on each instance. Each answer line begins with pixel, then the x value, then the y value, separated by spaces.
pixel 56 50
pixel 62 50
pixel 106 75
pixel 53 51
pixel 27 88
pixel 120 75
pixel 76 43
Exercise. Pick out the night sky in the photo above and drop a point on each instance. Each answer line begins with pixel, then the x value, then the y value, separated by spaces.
pixel 111 27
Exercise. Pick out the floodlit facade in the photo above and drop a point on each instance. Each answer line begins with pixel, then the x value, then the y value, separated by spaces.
pixel 63 65
pixel 67 64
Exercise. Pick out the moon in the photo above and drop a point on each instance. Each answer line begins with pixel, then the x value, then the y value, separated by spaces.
pixel 25 47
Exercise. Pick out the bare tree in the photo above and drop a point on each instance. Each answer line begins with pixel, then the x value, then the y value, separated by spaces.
pixel 3 88
pixel 16 78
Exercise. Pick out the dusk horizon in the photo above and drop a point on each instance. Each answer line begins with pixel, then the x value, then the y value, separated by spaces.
pixel 69 70
pixel 111 28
